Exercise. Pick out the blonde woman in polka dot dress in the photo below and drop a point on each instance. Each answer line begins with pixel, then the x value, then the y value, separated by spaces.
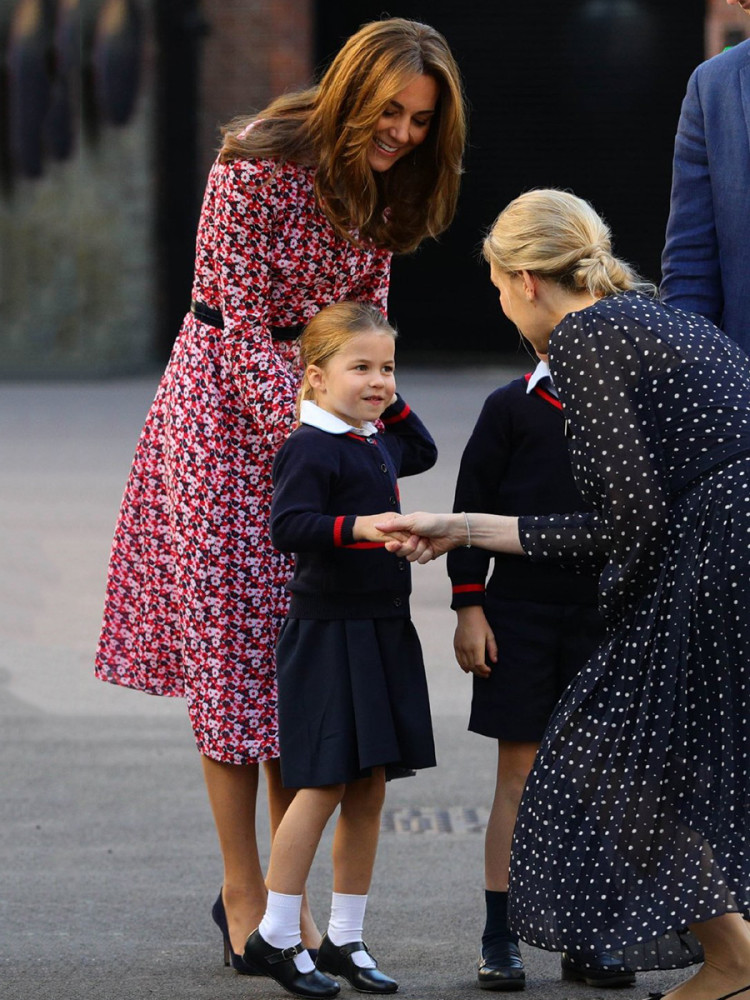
pixel 633 836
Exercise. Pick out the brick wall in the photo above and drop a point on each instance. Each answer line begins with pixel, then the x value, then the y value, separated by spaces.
pixel 254 51
pixel 76 285
pixel 725 25
pixel 82 261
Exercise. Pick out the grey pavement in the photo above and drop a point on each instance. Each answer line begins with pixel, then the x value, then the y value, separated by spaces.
pixel 107 849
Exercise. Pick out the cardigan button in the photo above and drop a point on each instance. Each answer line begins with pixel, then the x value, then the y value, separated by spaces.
pixel 397 602
pixel 383 467
pixel 401 565
pixel 392 501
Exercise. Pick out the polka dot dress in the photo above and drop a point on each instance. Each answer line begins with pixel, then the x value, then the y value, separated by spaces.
pixel 636 818
pixel 195 591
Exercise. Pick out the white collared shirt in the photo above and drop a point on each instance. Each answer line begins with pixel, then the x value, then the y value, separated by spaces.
pixel 541 371
pixel 315 416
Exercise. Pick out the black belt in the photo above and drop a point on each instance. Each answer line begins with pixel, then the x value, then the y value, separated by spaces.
pixel 213 317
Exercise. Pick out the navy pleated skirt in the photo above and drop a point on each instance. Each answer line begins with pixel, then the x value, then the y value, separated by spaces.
pixel 635 821
pixel 352 696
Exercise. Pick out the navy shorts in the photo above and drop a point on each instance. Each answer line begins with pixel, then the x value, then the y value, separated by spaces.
pixel 540 649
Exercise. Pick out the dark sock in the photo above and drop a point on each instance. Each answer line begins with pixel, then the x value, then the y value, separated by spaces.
pixel 496 929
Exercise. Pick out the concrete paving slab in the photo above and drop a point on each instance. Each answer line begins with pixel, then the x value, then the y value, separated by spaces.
pixel 107 849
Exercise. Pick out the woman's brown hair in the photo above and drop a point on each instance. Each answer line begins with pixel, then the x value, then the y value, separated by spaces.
pixel 331 126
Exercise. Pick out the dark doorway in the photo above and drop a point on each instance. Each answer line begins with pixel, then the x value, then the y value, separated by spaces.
pixel 179 28
pixel 583 95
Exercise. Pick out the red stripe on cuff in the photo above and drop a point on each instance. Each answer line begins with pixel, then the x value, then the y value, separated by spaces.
pixel 398 416
pixel 338 529
pixel 465 588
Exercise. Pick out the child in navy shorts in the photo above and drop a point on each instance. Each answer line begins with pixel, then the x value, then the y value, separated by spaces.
pixel 523 634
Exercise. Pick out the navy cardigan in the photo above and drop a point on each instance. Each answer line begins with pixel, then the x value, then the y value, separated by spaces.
pixel 322 481
pixel 516 462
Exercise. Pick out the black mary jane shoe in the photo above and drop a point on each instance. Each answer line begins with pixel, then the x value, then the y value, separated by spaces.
pixel 337 961
pixel 279 965
pixel 602 970
pixel 503 970
pixel 231 957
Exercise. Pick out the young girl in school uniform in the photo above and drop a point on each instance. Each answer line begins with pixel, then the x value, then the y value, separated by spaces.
pixel 353 702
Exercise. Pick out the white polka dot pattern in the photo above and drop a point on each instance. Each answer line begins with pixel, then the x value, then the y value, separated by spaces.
pixel 635 820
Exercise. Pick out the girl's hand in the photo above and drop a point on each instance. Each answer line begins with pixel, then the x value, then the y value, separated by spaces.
pixel 421 537
pixel 474 641
pixel 365 529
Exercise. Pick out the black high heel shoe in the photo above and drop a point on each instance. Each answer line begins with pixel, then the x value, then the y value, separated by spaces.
pixel 237 962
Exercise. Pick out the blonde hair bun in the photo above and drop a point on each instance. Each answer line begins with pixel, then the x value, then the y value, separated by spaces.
pixel 559 236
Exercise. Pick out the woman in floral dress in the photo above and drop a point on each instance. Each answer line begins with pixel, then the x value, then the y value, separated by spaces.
pixel 304 207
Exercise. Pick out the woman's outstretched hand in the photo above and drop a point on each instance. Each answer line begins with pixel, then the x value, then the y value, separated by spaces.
pixel 421 537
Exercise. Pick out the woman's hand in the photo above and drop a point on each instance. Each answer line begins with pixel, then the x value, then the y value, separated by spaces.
pixel 421 537
pixel 474 641
pixel 432 535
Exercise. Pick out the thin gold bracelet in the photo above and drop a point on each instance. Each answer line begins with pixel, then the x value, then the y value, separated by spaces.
pixel 468 530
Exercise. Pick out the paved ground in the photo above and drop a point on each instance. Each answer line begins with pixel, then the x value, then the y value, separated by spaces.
pixel 107 850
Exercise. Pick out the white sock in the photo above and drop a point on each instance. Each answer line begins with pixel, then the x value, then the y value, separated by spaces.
pixel 280 926
pixel 346 923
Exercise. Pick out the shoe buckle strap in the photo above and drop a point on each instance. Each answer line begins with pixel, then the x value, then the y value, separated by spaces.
pixel 285 954
pixel 352 946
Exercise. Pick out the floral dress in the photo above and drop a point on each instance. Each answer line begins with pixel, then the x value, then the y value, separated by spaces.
pixel 195 591
pixel 635 821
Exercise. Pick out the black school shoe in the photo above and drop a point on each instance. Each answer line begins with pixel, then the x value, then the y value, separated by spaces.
pixel 603 971
pixel 337 961
pixel 279 965
pixel 504 971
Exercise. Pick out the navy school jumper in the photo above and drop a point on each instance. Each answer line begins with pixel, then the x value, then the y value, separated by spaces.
pixel 516 462
pixel 322 482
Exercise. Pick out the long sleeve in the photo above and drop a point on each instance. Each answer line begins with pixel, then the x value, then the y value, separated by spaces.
pixel 407 439
pixel 616 459
pixel 304 479
pixel 372 283
pixel 483 464
pixel 244 227
pixel 691 271
pixel 323 481
pixel 267 256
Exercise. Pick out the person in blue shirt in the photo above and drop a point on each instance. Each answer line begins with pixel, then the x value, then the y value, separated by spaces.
pixel 705 260
pixel 353 702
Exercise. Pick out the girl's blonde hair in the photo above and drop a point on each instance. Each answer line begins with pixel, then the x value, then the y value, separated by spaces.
pixel 330 330
pixel 331 126
pixel 558 236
